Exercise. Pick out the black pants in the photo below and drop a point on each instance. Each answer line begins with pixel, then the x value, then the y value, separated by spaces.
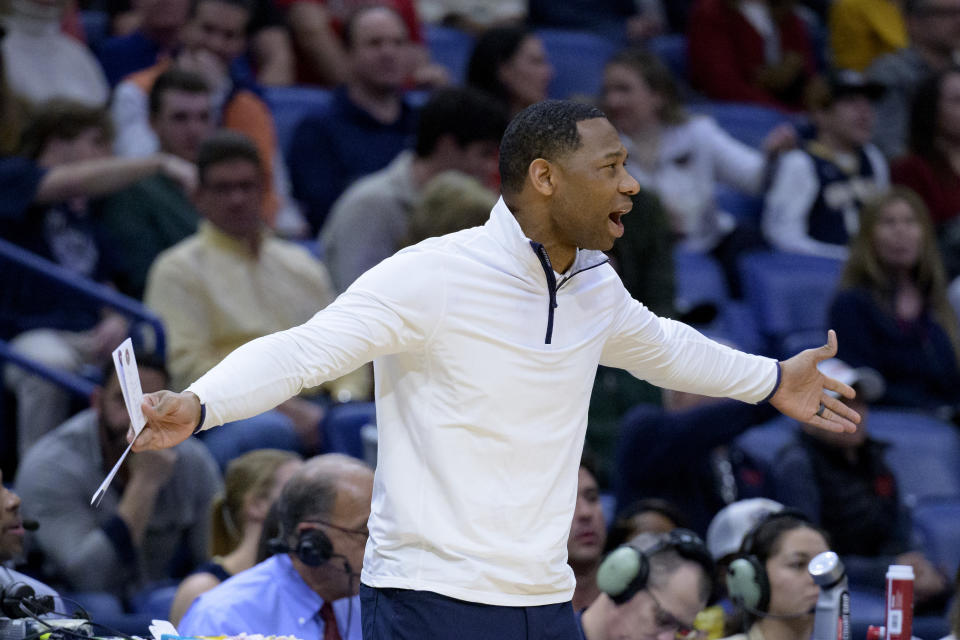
pixel 404 614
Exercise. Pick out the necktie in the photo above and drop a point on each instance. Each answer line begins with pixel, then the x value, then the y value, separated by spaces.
pixel 330 630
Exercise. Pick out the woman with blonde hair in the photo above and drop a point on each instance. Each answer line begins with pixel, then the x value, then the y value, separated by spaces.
pixel 251 484
pixel 892 312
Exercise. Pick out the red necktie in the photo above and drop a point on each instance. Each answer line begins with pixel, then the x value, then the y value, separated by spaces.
pixel 330 630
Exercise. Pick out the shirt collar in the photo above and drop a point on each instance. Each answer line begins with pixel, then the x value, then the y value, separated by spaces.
pixel 213 235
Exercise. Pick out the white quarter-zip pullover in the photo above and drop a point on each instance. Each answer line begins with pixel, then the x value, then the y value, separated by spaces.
pixel 482 389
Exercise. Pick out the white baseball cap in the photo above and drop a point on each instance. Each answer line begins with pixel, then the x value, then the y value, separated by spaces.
pixel 728 528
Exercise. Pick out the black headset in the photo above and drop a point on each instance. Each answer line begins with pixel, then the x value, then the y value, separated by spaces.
pixel 626 569
pixel 313 547
pixel 747 582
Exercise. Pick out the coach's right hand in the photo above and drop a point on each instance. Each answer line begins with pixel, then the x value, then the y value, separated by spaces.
pixel 171 419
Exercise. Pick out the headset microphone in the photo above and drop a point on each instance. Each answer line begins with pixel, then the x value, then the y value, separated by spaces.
pixel 777 616
pixel 30 525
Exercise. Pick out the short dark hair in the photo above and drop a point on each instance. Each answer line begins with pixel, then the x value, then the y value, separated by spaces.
pixel 545 130
pixel 492 49
pixel 62 119
pixel 310 493
pixel 174 79
pixel 466 114
pixel 225 145
pixel 622 528
pixel 350 23
pixel 246 5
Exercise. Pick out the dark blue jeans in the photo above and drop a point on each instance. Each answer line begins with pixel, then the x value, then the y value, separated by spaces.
pixel 404 614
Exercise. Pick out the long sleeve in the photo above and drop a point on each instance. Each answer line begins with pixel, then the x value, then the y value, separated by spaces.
pixel 671 354
pixel 134 137
pixel 796 485
pixel 792 195
pixel 737 164
pixel 380 314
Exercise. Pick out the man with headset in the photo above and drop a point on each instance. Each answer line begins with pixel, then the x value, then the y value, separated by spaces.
pixel 308 589
pixel 651 588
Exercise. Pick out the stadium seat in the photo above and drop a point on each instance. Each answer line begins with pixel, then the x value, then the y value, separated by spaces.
pixel 672 51
pixel 342 427
pixel 938 528
pixel 290 105
pixel 748 123
pixel 765 441
pixel 450 48
pixel 789 295
pixel 578 58
pixel 747 209
pixel 698 279
pixel 924 454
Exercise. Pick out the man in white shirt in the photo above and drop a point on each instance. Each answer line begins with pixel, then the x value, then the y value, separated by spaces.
pixel 485 343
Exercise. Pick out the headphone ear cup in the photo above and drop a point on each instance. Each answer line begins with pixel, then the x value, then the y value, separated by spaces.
pixel 314 548
pixel 747 583
pixel 622 574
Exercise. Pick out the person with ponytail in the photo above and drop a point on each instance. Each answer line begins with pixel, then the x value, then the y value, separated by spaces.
pixel 251 484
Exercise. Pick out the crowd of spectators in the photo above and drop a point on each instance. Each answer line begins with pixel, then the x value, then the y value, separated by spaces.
pixel 147 157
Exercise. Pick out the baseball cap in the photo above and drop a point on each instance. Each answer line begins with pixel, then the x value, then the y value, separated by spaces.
pixel 731 524
pixel 867 382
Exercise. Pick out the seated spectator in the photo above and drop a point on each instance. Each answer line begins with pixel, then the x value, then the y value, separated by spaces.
pixel 313 579
pixel 933 27
pixel 472 16
pixel 151 524
pixel 683 453
pixel 863 30
pixel 458 129
pixel 48 209
pixel 842 482
pixel 588 536
pixel 41 63
pixel 772 564
pixel 156 37
pixel 510 64
pixel 681 158
pixel 931 167
pixel 368 121
pixel 156 213
pixel 232 282
pixel 212 40
pixel 892 311
pixel 647 515
pixel 12 532
pixel 813 205
pixel 750 51
pixel 451 201
pixel 618 20
pixel 251 486
pixel 679 580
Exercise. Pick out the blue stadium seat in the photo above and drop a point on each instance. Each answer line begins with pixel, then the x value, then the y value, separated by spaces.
pixel 790 295
pixel 698 279
pixel 748 123
pixel 765 441
pixel 735 325
pixel 578 58
pixel 342 425
pixel 290 105
pixel 924 454
pixel 938 527
pixel 450 48
pixel 747 209
pixel 672 51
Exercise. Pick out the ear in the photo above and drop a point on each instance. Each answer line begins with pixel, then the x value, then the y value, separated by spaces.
pixel 542 175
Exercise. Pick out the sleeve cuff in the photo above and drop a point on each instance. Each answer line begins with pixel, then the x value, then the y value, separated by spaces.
pixel 203 418
pixel 119 536
pixel 776 385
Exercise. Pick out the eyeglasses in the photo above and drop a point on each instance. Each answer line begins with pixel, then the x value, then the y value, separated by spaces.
pixel 669 622
pixel 356 532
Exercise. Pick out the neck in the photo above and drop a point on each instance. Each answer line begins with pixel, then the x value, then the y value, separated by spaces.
pixel 383 105
pixel 786 629
pixel 245 555
pixel 424 169
pixel 536 225
pixel 835 143
pixel 587 589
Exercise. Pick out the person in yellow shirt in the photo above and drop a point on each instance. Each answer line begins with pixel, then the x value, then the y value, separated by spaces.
pixel 863 30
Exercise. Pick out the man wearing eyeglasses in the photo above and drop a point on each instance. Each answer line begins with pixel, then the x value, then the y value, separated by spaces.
pixel 663 609
pixel 308 588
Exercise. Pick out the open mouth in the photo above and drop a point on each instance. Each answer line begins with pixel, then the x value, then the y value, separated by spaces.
pixel 617 222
